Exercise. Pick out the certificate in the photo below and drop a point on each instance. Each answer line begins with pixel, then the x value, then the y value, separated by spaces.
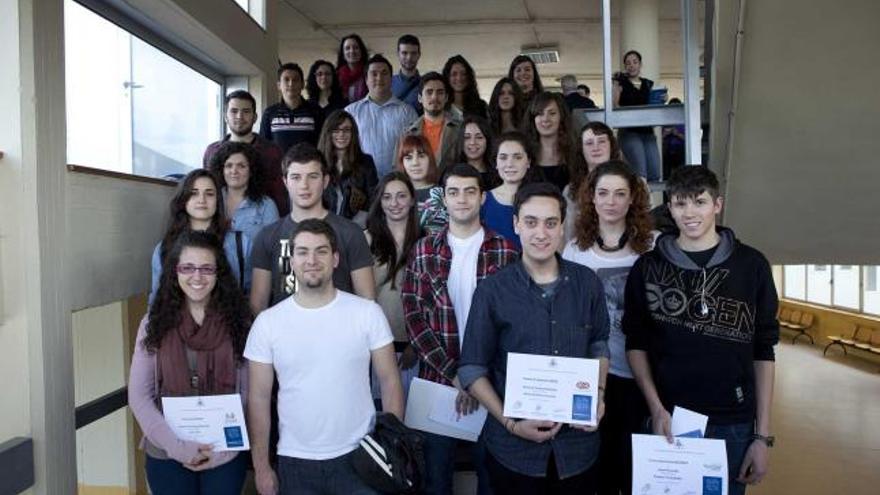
pixel 211 419
pixel 694 466
pixel 431 408
pixel 551 388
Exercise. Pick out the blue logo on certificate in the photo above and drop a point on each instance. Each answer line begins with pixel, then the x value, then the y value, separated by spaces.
pixel 233 436
pixel 711 485
pixel 581 407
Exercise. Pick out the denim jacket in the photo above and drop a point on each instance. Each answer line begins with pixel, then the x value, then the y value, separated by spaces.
pixel 511 313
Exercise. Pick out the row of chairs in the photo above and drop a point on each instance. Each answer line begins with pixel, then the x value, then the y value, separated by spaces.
pixel 797 320
pixel 858 337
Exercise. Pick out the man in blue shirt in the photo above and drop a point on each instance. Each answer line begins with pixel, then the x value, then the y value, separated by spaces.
pixel 544 305
pixel 405 84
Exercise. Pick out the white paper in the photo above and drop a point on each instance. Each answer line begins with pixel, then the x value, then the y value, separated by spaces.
pixel 551 388
pixel 431 407
pixel 211 419
pixel 687 423
pixel 687 466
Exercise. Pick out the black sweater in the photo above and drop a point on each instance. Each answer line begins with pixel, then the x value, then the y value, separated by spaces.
pixel 703 359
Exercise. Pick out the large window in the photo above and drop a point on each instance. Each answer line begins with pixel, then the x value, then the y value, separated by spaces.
pixel 849 287
pixel 132 108
pixel 255 8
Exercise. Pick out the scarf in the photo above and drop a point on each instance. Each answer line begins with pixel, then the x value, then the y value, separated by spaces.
pixel 215 359
pixel 353 82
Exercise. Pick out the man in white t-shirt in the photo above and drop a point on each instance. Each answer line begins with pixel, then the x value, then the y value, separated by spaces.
pixel 320 342
pixel 438 285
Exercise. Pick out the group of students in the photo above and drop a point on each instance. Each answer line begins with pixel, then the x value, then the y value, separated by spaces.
pixel 265 280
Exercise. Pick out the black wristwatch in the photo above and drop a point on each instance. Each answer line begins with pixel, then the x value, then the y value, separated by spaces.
pixel 768 440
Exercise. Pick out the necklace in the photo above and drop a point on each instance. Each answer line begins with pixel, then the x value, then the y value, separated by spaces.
pixel 610 249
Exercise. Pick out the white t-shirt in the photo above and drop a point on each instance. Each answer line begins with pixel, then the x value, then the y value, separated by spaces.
pixel 462 280
pixel 613 273
pixel 322 359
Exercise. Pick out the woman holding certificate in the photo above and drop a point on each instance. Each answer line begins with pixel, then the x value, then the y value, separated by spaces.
pixel 190 345
pixel 612 229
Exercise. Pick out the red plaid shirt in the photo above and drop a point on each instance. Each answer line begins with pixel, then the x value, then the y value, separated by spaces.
pixel 427 307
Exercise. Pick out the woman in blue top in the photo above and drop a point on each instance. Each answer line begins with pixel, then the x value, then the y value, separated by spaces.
pixel 237 167
pixel 197 205
pixel 513 162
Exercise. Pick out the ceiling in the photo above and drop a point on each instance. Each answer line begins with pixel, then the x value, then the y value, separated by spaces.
pixel 489 33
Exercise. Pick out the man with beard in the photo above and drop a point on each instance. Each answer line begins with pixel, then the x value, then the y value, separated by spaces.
pixel 405 84
pixel 439 126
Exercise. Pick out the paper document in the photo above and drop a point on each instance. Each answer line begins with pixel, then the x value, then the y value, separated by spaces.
pixel 431 407
pixel 695 466
pixel 212 419
pixel 687 423
pixel 551 388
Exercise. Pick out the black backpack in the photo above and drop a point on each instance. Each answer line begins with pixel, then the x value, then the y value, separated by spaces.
pixel 390 458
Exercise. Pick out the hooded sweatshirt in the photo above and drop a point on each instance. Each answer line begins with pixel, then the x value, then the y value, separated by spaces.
pixel 703 327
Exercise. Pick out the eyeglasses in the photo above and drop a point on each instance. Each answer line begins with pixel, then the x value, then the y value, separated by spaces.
pixel 189 269
pixel 344 130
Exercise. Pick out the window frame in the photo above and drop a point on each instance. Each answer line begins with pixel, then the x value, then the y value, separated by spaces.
pixel 833 305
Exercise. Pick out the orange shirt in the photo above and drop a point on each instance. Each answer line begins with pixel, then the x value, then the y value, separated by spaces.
pixel 432 133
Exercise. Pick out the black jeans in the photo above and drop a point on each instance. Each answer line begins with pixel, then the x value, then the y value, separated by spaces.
pixel 509 482
pixel 625 413
pixel 330 476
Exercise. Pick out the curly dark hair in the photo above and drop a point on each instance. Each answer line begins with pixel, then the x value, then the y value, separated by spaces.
pixel 178 219
pixel 226 298
pixel 580 169
pixel 314 92
pixel 471 102
pixel 638 218
pixel 382 243
pixel 255 187
pixel 517 111
pixel 340 54
pixel 564 135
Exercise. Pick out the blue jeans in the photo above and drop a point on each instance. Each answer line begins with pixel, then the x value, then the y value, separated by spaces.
pixel 440 464
pixel 640 150
pixel 737 437
pixel 169 477
pixel 327 477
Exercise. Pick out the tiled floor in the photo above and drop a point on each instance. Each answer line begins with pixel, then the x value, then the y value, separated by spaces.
pixel 826 418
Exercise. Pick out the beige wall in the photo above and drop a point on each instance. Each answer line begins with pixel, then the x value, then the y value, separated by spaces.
pixel 803 177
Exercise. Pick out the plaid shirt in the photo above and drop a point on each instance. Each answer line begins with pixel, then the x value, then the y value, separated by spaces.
pixel 427 307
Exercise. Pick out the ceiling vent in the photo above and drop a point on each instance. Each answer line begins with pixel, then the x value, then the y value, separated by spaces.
pixel 542 54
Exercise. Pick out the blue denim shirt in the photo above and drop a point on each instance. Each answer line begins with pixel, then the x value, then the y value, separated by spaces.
pixel 406 89
pixel 251 217
pixel 229 248
pixel 511 313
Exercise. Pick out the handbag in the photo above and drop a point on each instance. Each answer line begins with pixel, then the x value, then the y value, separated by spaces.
pixel 390 458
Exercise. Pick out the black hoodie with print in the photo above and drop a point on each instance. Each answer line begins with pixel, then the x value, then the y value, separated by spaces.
pixel 703 327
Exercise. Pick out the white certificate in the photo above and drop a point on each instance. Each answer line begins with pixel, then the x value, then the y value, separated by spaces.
pixel 211 419
pixel 551 388
pixel 431 408
pixel 695 466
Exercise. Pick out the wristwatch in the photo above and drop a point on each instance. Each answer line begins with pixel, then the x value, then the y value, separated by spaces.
pixel 768 440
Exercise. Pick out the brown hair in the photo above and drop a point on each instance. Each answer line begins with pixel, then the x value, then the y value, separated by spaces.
pixel 638 219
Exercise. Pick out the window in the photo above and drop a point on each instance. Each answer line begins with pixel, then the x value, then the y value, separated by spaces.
pixel 795 281
pixel 846 286
pixel 871 292
pixel 819 284
pixel 255 9
pixel 132 108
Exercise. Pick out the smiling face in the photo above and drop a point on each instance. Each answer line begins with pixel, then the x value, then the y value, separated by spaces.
pixel 416 164
pixel 612 198
pixel 458 78
pixel 547 122
pixel 539 226
pixel 396 201
pixel 474 142
pixel 341 136
pixel 202 204
pixel 351 51
pixel 201 277
pixel 236 171
pixel 512 162
pixel 463 198
pixel 290 84
pixel 524 75
pixel 324 77
pixel 596 148
pixel 240 116
pixel 305 184
pixel 506 98
pixel 695 217
pixel 313 260
pixel 379 81
pixel 632 65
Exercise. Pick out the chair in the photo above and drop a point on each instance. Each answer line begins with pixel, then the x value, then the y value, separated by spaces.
pixel 805 323
pixel 848 339
pixel 794 318
pixel 784 314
